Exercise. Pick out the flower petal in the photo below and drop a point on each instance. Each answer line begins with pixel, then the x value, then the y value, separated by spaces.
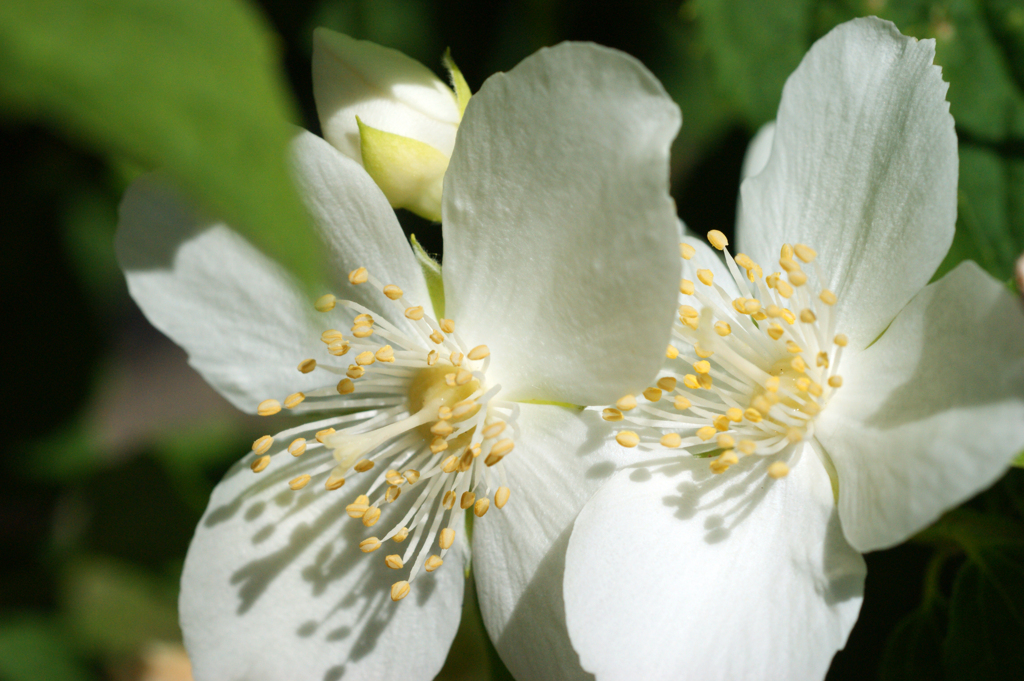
pixel 385 88
pixel 275 586
pixel 674 573
pixel 519 551
pixel 238 314
pixel 863 169
pixel 930 414
pixel 758 151
pixel 560 235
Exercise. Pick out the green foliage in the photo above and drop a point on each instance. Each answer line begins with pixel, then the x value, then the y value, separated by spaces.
pixel 190 87
pixel 33 648
pixel 914 649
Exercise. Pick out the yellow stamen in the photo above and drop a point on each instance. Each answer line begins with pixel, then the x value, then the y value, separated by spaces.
pixel 835 381
pixel 414 313
pixel 268 407
pixel 325 303
pixel 627 438
pixel 399 590
pixel 717 239
pixel 671 440
pixel 446 538
pixel 828 297
pixel 260 464
pixel 778 470
pixel 686 251
pixel 706 277
pixel 297 446
pixel 393 292
pixel 358 276
pixel 299 482
pixel 501 497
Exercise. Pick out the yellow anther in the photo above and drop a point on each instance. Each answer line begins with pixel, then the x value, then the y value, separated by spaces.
pixel 744 261
pixel 363 465
pixel 479 352
pixel 797 278
pixel 297 447
pixel 358 276
pixel 494 429
pixel 331 335
pixel 369 545
pixel 671 440
pixel 268 407
pixel 794 435
pixel 835 381
pixel 786 252
pixel 775 330
pixel 481 506
pixel 433 563
pixel 466 500
pixel 754 273
pixel 294 400
pixel 725 441
pixel 687 312
pixel 721 422
pixel 394 477
pixel 723 329
pixel 772 279
pixel 371 516
pixel 681 403
pixel 706 277
pixel 752 415
pixel 338 347
pixel 667 383
pixel 828 297
pixel 355 371
pixel 627 438
pixel 747 447
pixel 464 409
pixel 778 470
pixel 393 292
pixel 441 429
pixel 717 239
pixel 751 306
pixel 773 311
pixel 394 561
pixel 414 313
pixel 803 383
pixel 502 447
pixel 841 340
pixel 789 265
pixel 793 347
pixel 612 414
pixel 450 464
pixel 449 500
pixel 334 482
pixel 362 330
pixel 788 316
pixel 738 303
pixel 401 535
pixel 463 377
pixel 501 496
pixel 702 367
pixel 759 316
pixel 759 404
pixel 707 432
pixel 412 475
pixel 798 364
pixel 822 359
pixel 783 287
pixel 671 352
pixel 436 337
pixel 399 590
pixel 772 384
pixel 686 287
pixel 325 303
pixel 686 251
pixel 701 352
pixel 626 402
pixel 718 467
pixel 307 365
pixel 704 381
pixel 299 482
pixel 363 319
pixel 346 386
pixel 652 394
pixel 810 408
pixel 358 507
pixel 814 389
pixel 322 434
pixel 365 358
pixel 805 253
pixel 263 444
pixel 438 444
pixel 447 325
pixel 734 414
pixel 385 354
pixel 690 381
pixel 444 413
pixel 807 316
pixel 258 465
pixel 446 538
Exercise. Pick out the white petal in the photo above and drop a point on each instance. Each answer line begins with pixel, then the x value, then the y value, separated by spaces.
pixel 275 586
pixel 238 314
pixel 386 89
pixel 707 258
pixel 930 414
pixel 358 226
pixel 758 151
pixel 679 574
pixel 519 551
pixel 863 169
pixel 560 235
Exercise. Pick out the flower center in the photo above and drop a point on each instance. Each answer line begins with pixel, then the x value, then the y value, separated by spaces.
pixel 746 375
pixel 425 415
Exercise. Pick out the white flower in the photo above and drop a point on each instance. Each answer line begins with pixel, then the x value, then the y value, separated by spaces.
pixel 846 401
pixel 390 113
pixel 558 278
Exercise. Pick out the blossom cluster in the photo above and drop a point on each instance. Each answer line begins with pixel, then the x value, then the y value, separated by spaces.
pixel 665 457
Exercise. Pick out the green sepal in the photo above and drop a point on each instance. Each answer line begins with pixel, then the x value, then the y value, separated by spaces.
pixel 408 171
pixel 432 274
pixel 459 84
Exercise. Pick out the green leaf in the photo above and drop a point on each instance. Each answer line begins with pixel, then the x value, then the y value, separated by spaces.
pixel 986 619
pixel 1019 461
pixel 914 648
pixel 191 87
pixel 33 648
pixel 755 45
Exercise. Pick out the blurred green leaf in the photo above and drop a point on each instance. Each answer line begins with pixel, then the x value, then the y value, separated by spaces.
pixel 115 609
pixel 33 649
pixel 986 618
pixel 187 86
pixel 755 45
pixel 914 648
